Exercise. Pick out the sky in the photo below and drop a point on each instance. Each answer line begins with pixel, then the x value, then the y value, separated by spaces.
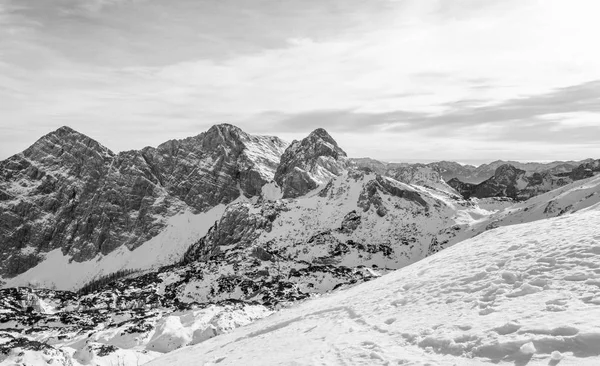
pixel 395 80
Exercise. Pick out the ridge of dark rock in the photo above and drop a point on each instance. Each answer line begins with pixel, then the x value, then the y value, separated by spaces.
pixel 69 192
pixel 308 163
pixel 518 184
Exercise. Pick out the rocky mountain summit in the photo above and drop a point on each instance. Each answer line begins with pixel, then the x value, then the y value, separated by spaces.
pixel 308 163
pixel 69 193
pixel 216 166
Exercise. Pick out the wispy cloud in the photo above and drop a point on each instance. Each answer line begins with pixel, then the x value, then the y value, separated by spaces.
pixel 124 71
pixel 562 116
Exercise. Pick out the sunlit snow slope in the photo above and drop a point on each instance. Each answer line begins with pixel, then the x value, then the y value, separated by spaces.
pixel 521 295
pixel 570 198
pixel 58 270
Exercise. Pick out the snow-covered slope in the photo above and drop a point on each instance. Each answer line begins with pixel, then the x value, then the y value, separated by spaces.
pixel 570 198
pixel 520 295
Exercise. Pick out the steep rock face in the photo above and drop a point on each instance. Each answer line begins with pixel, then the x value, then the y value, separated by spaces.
pixel 308 163
pixel 507 181
pixel 585 170
pixel 374 191
pixel 216 166
pixel 69 192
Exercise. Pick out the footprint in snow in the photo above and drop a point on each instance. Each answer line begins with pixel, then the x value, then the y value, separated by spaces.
pixel 525 289
pixel 509 277
pixel 557 305
pixel 399 302
pixel 507 328
pixel 486 311
pixel 577 277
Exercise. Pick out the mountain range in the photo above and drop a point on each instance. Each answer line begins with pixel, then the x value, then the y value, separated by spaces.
pixel 173 245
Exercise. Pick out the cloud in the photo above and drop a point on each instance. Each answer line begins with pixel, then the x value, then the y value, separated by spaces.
pixel 583 97
pixel 333 120
pixel 465 70
pixel 560 116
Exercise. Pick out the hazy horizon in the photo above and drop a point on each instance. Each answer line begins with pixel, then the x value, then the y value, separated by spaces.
pixel 426 79
pixel 409 160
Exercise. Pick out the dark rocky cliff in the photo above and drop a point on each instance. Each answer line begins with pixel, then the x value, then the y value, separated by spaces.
pixel 69 192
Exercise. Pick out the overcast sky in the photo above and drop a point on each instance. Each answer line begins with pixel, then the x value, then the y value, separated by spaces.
pixel 397 80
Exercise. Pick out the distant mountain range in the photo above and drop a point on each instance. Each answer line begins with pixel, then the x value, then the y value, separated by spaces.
pixel 477 174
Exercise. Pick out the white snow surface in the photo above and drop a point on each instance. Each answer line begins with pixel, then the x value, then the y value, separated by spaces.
pixel 527 294
pixel 181 231
pixel 570 198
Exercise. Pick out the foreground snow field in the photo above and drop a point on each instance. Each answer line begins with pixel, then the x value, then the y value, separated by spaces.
pixel 521 295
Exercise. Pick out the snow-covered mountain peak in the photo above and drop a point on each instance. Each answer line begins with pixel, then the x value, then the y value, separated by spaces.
pixel 224 135
pixel 320 142
pixel 225 128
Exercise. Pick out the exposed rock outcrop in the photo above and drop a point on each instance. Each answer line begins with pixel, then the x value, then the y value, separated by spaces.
pixel 509 181
pixel 585 170
pixel 69 192
pixel 308 163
